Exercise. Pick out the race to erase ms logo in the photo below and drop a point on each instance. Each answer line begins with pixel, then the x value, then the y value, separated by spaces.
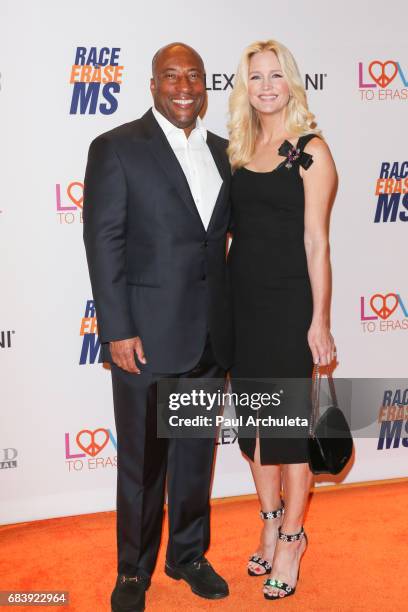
pixel 69 199
pixel 393 419
pixel 391 190
pixel 383 312
pixel 96 77
pixel 382 80
pixel 90 449
pixel 91 346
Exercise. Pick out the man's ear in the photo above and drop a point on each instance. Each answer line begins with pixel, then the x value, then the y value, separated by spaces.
pixel 152 85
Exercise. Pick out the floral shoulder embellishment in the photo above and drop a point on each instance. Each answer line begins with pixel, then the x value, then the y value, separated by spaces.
pixel 293 154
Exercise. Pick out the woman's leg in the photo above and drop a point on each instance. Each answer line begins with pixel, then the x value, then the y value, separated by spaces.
pixel 267 480
pixel 297 480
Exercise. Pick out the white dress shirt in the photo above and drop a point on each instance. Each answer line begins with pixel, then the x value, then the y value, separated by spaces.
pixel 197 163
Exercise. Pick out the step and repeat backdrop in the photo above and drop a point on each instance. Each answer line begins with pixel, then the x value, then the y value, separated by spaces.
pixel 57 434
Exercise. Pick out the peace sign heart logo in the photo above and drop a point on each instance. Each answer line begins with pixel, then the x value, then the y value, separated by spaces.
pixel 383 72
pixel 384 305
pixel 92 442
pixel 75 191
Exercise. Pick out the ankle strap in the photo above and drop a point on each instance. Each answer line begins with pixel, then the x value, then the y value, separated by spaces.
pixel 273 514
pixel 291 537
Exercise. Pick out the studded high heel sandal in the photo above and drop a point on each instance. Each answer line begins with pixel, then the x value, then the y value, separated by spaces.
pixel 266 516
pixel 279 584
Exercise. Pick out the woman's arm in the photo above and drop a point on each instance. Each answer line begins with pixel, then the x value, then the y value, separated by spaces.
pixel 320 185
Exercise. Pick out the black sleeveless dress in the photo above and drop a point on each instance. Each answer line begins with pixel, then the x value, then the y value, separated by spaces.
pixel 272 296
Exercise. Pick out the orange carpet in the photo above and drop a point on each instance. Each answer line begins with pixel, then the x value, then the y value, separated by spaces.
pixel 356 560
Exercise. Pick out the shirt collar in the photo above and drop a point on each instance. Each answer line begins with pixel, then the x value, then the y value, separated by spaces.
pixel 168 127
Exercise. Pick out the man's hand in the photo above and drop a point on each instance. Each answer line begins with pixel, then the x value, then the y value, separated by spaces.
pixel 122 352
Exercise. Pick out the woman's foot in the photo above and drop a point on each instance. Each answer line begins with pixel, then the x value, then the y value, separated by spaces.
pixel 261 562
pixel 285 567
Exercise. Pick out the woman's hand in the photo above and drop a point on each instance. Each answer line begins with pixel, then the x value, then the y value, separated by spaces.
pixel 321 344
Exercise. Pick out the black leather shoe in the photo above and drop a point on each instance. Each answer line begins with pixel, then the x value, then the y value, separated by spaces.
pixel 129 594
pixel 202 578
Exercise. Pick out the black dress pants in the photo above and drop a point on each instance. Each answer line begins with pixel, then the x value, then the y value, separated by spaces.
pixel 144 461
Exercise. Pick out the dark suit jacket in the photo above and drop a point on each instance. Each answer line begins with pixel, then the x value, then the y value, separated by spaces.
pixel 155 271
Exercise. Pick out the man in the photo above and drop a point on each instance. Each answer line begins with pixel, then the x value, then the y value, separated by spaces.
pixel 156 214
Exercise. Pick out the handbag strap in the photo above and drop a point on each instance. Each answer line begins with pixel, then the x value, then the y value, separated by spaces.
pixel 316 397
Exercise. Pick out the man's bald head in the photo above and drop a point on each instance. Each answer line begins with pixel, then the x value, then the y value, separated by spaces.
pixel 178 84
pixel 168 49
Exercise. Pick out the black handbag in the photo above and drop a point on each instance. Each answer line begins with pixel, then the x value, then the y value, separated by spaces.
pixel 330 442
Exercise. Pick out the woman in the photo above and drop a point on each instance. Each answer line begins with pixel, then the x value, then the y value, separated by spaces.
pixel 283 185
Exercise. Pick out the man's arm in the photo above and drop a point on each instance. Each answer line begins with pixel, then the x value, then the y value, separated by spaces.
pixel 105 218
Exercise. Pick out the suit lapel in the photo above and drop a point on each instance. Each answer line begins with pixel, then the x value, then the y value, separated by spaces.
pixel 219 158
pixel 164 154
pixel 223 167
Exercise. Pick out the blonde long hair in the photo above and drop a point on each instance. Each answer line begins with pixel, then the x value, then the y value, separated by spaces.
pixel 243 125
